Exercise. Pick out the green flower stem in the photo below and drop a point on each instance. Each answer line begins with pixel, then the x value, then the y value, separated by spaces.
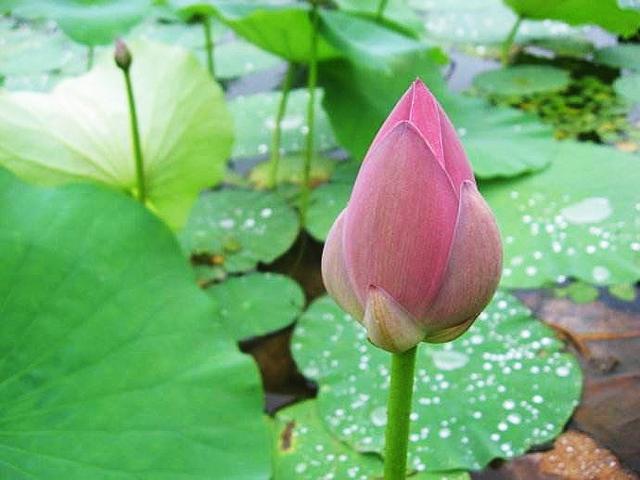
pixel 398 411
pixel 135 135
pixel 381 7
pixel 277 131
pixel 311 89
pixel 508 42
pixel 90 56
pixel 208 44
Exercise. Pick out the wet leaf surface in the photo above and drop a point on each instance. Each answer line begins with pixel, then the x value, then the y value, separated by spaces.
pixel 305 450
pixel 256 304
pixel 557 224
pixel 501 388
pixel 255 115
pixel 237 229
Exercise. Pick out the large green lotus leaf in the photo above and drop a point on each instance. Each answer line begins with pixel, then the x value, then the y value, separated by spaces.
pixel 113 366
pixel 606 13
pixel 81 129
pixel 522 80
pixel 578 218
pixel 501 388
pixel 243 227
pixel 628 87
pixel 255 119
pixel 94 22
pixel 364 41
pixel 397 14
pixel 303 449
pixel 284 30
pixel 624 55
pixel 358 98
pixel 258 303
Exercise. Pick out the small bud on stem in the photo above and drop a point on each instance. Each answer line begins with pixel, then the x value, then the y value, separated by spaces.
pixel 122 55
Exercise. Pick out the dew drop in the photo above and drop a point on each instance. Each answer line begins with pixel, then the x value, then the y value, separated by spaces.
pixel 449 360
pixel 266 212
pixel 589 210
pixel 379 416
pixel 600 274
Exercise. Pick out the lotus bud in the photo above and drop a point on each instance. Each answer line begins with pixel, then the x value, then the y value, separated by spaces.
pixel 416 254
pixel 122 55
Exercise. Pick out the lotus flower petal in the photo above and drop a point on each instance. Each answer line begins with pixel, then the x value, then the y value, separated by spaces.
pixel 473 271
pixel 389 326
pixel 419 106
pixel 399 223
pixel 455 160
pixel 334 272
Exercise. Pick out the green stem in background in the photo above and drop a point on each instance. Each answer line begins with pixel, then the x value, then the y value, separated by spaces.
pixel 380 12
pixel 90 56
pixel 277 131
pixel 135 135
pixel 208 44
pixel 396 438
pixel 311 89
pixel 508 42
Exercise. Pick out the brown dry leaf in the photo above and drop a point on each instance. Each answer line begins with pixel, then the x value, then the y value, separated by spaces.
pixel 576 456
pixel 607 341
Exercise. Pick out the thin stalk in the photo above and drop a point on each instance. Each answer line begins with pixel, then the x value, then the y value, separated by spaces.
pixel 311 89
pixel 398 410
pixel 277 130
pixel 135 135
pixel 380 12
pixel 508 42
pixel 208 44
pixel 90 56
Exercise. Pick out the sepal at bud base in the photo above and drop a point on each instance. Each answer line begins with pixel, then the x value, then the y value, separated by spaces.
pixel 389 326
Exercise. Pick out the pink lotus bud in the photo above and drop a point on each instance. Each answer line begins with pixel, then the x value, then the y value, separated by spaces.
pixel 416 254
